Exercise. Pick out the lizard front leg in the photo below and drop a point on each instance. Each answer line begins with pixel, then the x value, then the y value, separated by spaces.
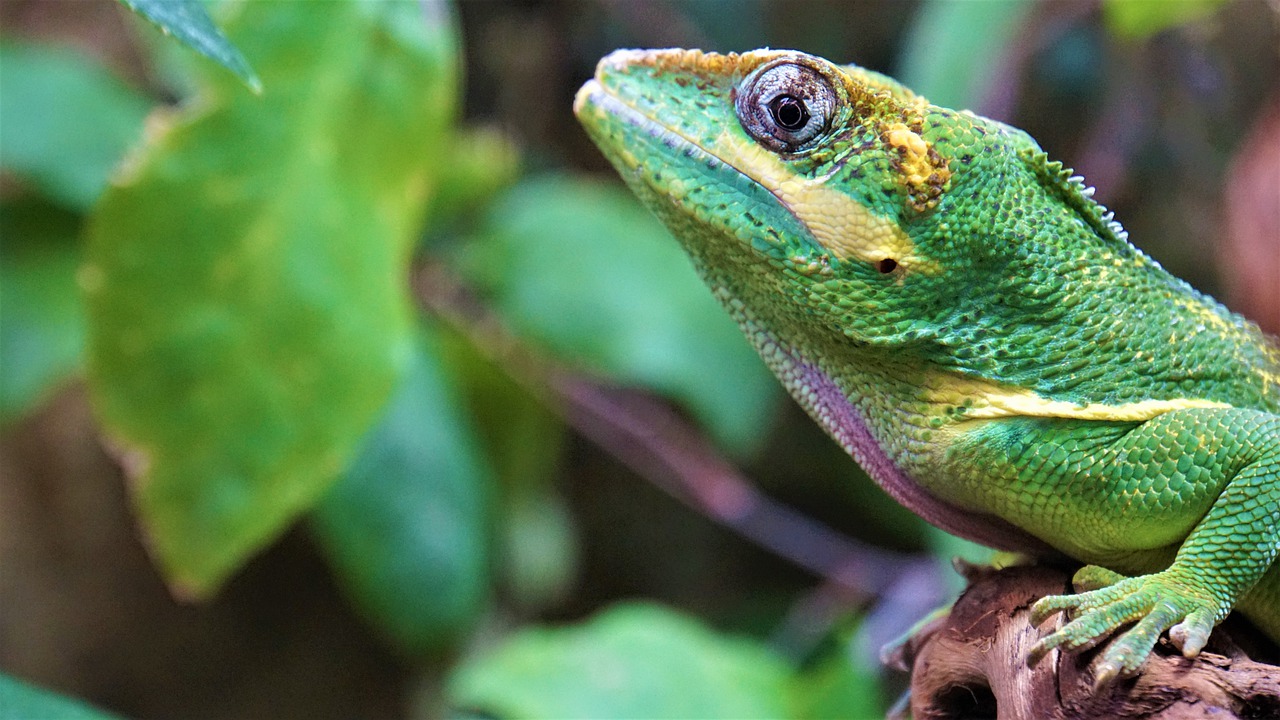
pixel 1217 471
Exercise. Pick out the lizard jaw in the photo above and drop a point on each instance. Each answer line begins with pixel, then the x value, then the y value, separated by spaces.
pixel 683 177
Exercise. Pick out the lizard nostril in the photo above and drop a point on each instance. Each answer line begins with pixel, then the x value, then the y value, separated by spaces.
pixel 887 265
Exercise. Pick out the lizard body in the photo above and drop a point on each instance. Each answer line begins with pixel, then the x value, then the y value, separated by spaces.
pixel 957 312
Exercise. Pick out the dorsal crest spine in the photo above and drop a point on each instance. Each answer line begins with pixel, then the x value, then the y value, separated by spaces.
pixel 1079 197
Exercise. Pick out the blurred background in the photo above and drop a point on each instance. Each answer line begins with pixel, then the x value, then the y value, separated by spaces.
pixel 374 394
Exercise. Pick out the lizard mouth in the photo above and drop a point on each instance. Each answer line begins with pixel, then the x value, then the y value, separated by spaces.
pixel 596 95
pixel 674 171
pixel 609 94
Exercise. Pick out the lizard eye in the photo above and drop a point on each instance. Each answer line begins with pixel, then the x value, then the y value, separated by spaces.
pixel 785 106
pixel 789 112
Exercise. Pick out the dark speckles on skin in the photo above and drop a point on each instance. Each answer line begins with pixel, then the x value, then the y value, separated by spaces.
pixel 1031 289
pixel 1022 264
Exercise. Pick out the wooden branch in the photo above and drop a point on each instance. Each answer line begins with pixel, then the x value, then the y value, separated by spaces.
pixel 973 664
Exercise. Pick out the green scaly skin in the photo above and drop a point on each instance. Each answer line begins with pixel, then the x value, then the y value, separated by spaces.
pixel 960 315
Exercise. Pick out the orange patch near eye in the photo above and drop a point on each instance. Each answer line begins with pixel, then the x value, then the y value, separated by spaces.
pixel 924 171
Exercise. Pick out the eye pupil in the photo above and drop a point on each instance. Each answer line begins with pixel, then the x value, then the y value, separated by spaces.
pixel 789 112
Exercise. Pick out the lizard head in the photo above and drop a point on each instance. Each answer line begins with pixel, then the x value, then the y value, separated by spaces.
pixel 785 175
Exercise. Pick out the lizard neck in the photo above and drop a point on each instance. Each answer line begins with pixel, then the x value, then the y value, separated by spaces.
pixel 877 437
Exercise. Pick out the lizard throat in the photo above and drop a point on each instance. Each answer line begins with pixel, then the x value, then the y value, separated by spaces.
pixel 833 410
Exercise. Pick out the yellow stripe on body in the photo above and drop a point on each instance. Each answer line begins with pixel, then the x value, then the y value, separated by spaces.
pixel 983 400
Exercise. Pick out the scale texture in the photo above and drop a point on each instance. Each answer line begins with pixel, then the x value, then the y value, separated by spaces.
pixel 957 312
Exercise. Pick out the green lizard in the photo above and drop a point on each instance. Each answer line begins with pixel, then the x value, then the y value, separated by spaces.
pixel 975 330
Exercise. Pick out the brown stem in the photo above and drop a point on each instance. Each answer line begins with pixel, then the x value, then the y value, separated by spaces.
pixel 660 446
pixel 973 663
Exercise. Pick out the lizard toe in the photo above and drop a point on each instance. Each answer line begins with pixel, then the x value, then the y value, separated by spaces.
pixel 1091 627
pixel 1192 634
pixel 1093 577
pixel 1127 653
pixel 1155 604
pixel 1080 604
pixel 1050 605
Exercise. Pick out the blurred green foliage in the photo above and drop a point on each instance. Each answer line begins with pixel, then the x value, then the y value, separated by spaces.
pixel 964 32
pixel 1136 19
pixel 233 272
pixel 543 258
pixel 406 527
pixel 638 661
pixel 41 320
pixel 646 661
pixel 534 543
pixel 22 701
pixel 66 121
pixel 248 270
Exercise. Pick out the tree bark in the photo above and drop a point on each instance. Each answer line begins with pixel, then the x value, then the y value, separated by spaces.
pixel 972 664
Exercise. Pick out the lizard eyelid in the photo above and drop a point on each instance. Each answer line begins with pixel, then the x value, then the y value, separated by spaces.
pixel 786 107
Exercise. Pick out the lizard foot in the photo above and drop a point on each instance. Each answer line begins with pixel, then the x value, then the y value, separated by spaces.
pixel 1154 603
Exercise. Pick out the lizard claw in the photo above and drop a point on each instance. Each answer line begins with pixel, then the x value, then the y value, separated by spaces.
pixel 1153 603
pixel 1086 579
pixel 1040 649
pixel 1050 605
pixel 1192 634
pixel 1103 674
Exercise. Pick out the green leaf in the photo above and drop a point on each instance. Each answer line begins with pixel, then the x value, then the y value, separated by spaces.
pixel 481 163
pixel 406 527
pixel 632 661
pixel 20 701
pixel 539 548
pixel 1137 19
pixel 189 23
pixel 954 48
pixel 583 268
pixel 41 320
pixel 838 687
pixel 524 441
pixel 66 121
pixel 246 280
